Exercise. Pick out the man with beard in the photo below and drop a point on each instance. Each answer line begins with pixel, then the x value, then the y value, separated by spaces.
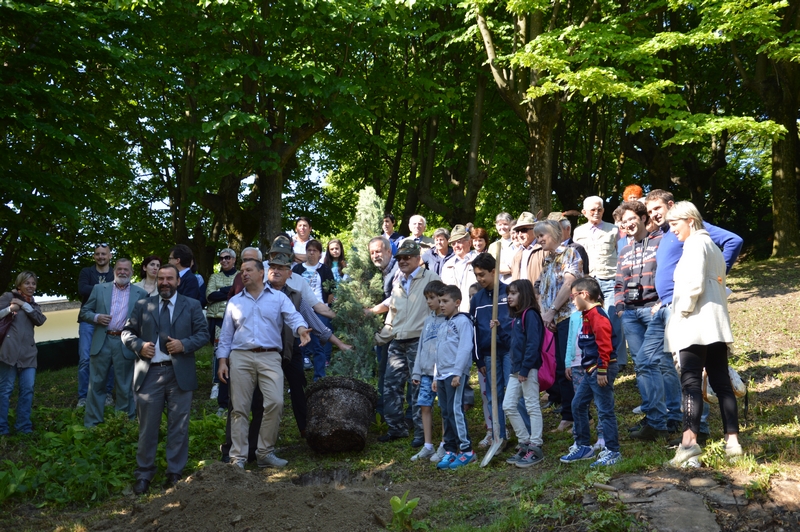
pixel 164 331
pixel 107 309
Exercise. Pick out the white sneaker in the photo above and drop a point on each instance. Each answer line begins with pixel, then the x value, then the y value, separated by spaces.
pixel 599 445
pixel 271 460
pixel 222 412
pixel 214 391
pixel 109 400
pixel 81 403
pixel 439 454
pixel 638 410
pixel 423 453
pixel 487 441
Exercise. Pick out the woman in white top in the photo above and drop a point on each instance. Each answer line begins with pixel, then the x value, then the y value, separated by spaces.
pixel 148 272
pixel 699 329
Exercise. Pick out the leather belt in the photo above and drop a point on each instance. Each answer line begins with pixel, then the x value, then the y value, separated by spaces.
pixel 264 349
pixel 165 363
pixel 114 333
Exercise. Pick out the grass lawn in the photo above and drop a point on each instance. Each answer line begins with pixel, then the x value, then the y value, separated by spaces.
pixel 65 477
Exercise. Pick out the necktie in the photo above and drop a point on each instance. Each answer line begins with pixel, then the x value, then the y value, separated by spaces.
pixel 164 326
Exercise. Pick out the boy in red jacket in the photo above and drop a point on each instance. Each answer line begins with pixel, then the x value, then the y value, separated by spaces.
pixel 598 351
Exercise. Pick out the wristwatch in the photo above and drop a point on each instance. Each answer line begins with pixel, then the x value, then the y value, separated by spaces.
pixel 553 308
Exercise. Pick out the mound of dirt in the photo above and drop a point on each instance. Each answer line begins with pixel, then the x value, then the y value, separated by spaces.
pixel 223 497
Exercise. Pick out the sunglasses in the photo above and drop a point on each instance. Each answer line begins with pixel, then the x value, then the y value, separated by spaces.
pixel 102 245
pixel 225 257
pixel 524 229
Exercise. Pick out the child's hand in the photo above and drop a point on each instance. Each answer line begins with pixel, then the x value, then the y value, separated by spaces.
pixel 456 381
pixel 433 386
pixel 602 380
pixel 415 382
pixel 494 323
pixel 568 373
pixel 521 378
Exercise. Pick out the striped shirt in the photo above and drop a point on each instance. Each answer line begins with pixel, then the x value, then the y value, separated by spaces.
pixel 637 266
pixel 119 306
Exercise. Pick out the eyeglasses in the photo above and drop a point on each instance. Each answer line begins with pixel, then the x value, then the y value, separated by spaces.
pixel 225 257
pixel 404 258
pixel 573 294
pixel 523 229
pixel 279 267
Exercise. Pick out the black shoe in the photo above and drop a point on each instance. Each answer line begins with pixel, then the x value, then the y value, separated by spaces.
pixel 172 479
pixel 648 433
pixel 702 438
pixel 639 424
pixel 674 426
pixel 416 444
pixel 141 486
pixel 389 437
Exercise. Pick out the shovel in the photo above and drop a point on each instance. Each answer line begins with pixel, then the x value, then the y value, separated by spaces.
pixel 497 442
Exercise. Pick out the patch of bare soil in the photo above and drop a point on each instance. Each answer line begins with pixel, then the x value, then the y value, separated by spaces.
pixel 223 497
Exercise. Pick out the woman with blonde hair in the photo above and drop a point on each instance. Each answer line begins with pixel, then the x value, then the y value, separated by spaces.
pixel 18 351
pixel 699 329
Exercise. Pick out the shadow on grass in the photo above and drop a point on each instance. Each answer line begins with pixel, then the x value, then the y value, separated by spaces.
pixel 764 279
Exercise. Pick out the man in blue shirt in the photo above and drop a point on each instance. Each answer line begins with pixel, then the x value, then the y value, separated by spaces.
pixel 252 336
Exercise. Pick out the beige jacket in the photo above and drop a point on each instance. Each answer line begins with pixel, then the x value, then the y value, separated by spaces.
pixel 699 304
pixel 601 247
pixel 534 264
pixel 459 272
pixel 407 312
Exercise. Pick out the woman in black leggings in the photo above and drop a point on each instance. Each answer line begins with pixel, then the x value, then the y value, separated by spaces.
pixel 699 329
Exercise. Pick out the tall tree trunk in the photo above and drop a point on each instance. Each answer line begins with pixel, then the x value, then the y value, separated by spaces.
pixel 786 241
pixel 394 176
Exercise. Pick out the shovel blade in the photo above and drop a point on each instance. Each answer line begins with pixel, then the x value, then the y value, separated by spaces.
pixel 496 447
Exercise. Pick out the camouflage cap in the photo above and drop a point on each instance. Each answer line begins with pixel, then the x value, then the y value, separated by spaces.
pixel 282 245
pixel 281 259
pixel 408 248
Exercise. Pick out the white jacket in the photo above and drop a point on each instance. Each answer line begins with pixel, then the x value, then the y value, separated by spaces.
pixel 699 306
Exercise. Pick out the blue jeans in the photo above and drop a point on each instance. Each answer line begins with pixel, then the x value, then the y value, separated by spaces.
pixel 603 397
pixel 658 381
pixel 315 351
pixel 607 287
pixel 26 377
pixel 85 334
pixel 503 374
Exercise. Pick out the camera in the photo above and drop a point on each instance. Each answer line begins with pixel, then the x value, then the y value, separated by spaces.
pixel 633 292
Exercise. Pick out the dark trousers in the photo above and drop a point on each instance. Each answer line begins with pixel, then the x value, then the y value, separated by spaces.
pixel 714 358
pixel 296 379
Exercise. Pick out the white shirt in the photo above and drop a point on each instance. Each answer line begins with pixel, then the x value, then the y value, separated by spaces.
pixel 160 355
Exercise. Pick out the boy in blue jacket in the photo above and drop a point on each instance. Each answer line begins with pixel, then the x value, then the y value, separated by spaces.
pixel 453 360
pixel 597 343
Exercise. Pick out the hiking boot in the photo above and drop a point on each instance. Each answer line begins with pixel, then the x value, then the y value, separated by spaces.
pixel 638 425
pixel 423 453
pixel 581 452
pixel 607 458
pixel 684 454
pixel 520 452
pixel 463 459
pixel 648 433
pixel 532 457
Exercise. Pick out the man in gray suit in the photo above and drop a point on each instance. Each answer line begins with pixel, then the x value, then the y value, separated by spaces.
pixel 107 309
pixel 164 331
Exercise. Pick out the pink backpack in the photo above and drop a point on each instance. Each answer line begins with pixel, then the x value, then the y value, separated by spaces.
pixel 547 373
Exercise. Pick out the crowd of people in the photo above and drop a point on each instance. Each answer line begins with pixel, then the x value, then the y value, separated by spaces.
pixel 654 281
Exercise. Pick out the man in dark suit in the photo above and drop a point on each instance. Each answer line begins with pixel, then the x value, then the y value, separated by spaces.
pixel 182 257
pixel 107 309
pixel 164 331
